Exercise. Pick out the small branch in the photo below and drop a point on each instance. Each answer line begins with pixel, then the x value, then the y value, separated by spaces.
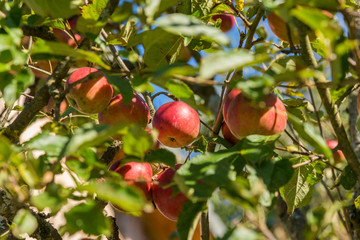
pixel 111 151
pixel 345 94
pixel 38 69
pixel 239 14
pixel 42 32
pixel 254 24
pixel 316 112
pixel 204 223
pixel 208 127
pixel 169 95
pixel 196 80
pixel 149 101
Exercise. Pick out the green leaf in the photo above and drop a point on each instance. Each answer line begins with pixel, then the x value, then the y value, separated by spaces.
pixel 137 142
pixel 122 85
pixel 189 26
pixel 188 219
pixel 81 169
pixel 51 144
pixel 256 148
pixel 24 223
pixel 128 198
pixel 222 62
pixel 347 178
pixel 122 38
pixel 54 9
pixel 299 190
pixel 90 135
pixel 311 136
pixel 82 218
pixel 62 49
pixel 88 22
pixel 179 89
pixel 160 47
pixel 54 197
pixel 161 155
pixel 199 177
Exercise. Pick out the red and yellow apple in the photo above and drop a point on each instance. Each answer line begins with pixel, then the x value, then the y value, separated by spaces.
pixel 338 155
pixel 227 134
pixel 62 36
pixel 51 106
pixel 245 118
pixel 135 112
pixel 91 96
pixel 177 123
pixel 167 204
pixel 231 95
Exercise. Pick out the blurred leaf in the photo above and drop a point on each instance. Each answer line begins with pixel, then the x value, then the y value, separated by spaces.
pixel 50 143
pixel 189 26
pixel 54 197
pixel 179 89
pixel 308 133
pixel 122 38
pixel 346 179
pixel 299 190
pixel 118 193
pixel 196 7
pixel 122 85
pixel 222 62
pixel 137 142
pixel 161 155
pixel 81 169
pixel 188 219
pixel 52 8
pixel 62 49
pixel 357 202
pixel 122 12
pixel 24 223
pixel 82 216
pixel 256 148
pixel 199 177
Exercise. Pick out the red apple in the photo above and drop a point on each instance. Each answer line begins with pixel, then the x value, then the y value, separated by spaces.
pixel 170 206
pixel 90 96
pixel 232 94
pixel 136 174
pixel 177 123
pixel 266 118
pixel 135 112
pixel 62 36
pixel 227 21
pixel 338 155
pixel 278 27
pixel 228 135
pixel 51 106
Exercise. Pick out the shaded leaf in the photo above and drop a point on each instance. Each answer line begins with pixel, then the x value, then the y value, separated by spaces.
pixel 188 219
pixel 24 223
pixel 161 156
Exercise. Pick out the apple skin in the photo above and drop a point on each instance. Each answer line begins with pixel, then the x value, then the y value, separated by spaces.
pixel 136 112
pixel 91 96
pixel 184 54
pixel 244 118
pixel 338 155
pixel 227 21
pixel 232 94
pixel 177 123
pixel 62 36
pixel 51 106
pixel 278 27
pixel 168 205
pixel 227 134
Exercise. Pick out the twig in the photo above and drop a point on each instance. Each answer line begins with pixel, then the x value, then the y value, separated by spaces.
pixel 111 151
pixel 149 101
pixel 169 95
pixel 196 80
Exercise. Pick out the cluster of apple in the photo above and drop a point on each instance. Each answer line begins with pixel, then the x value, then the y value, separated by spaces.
pixel 242 117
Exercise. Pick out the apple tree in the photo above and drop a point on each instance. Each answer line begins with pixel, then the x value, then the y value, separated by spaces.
pixel 237 116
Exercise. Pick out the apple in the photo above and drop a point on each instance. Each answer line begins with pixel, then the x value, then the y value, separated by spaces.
pixel 135 174
pixel 231 95
pixel 51 106
pixel 177 123
pixel 135 112
pixel 90 96
pixel 62 36
pixel 170 206
pixel 227 134
pixel 338 155
pixel 227 21
pixel 184 54
pixel 246 118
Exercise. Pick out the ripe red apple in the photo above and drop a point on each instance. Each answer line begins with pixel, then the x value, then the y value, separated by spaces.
pixel 62 36
pixel 51 106
pixel 246 118
pixel 170 206
pixel 228 134
pixel 232 94
pixel 338 155
pixel 135 112
pixel 136 174
pixel 227 21
pixel 90 96
pixel 177 123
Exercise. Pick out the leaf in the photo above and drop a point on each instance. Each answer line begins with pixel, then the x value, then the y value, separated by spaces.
pixel 199 177
pixel 256 148
pixel 308 133
pixel 189 26
pixel 299 190
pixel 131 199
pixel 137 142
pixel 24 223
pixel 88 22
pixel 188 219
pixel 347 178
pixel 222 62
pixel 122 38
pixel 161 155
pixel 122 85
pixel 62 49
pixel 82 218
pixel 50 143
pixel 179 89
pixel 53 8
